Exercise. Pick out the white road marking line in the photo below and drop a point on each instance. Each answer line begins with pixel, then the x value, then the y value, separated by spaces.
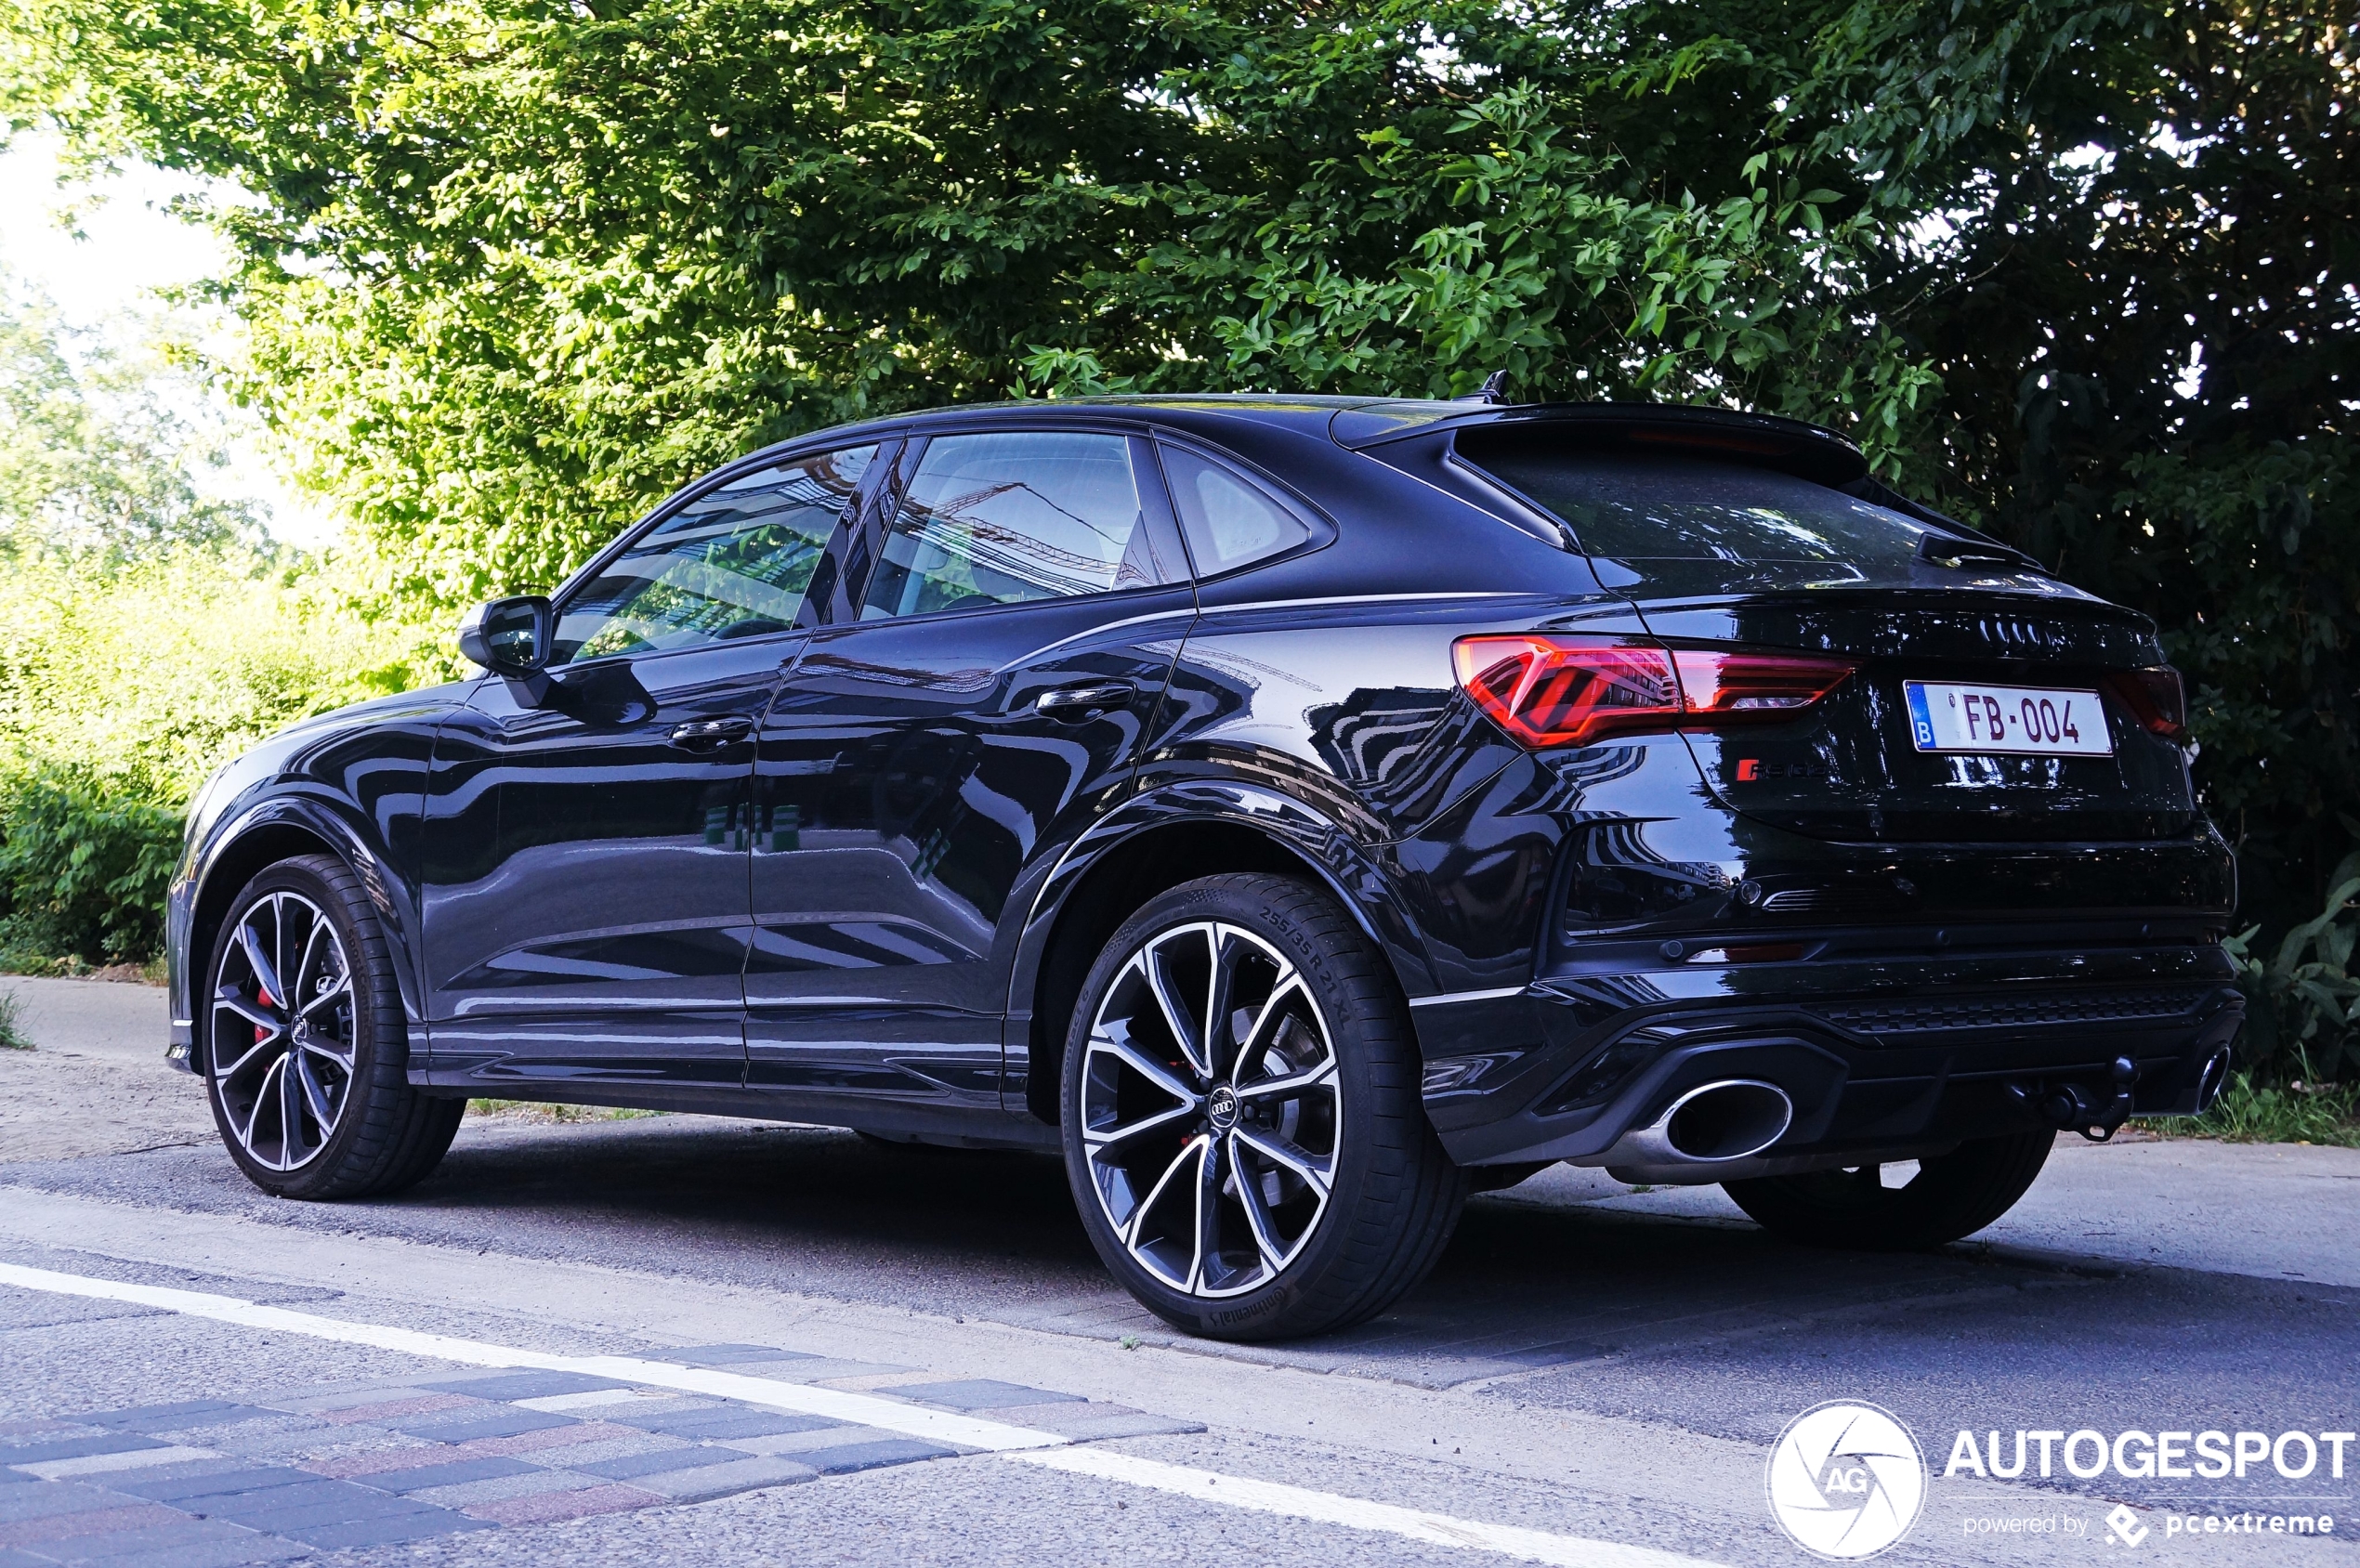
pixel 1020 1443
pixel 838 1405
pixel 1329 1507
pixel 111 1464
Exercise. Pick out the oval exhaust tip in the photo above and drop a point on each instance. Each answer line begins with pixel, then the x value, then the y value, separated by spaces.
pixel 1726 1120
pixel 2210 1079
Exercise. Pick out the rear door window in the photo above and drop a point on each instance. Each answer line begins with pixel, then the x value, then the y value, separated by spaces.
pixel 1017 516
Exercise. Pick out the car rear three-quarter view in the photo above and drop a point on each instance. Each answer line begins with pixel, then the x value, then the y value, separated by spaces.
pixel 1297 813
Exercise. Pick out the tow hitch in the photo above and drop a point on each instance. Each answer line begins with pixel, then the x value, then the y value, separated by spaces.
pixel 2078 1105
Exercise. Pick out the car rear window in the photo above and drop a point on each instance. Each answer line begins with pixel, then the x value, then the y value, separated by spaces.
pixel 1686 508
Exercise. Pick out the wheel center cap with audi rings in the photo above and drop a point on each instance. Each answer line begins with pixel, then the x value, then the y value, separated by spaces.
pixel 1220 1108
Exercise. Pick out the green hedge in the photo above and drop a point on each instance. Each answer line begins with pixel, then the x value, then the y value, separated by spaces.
pixel 122 686
pixel 83 864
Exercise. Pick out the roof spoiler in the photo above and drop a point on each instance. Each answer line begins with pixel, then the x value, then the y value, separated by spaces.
pixel 1806 450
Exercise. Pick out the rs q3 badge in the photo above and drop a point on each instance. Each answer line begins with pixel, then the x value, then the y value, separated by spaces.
pixel 1750 769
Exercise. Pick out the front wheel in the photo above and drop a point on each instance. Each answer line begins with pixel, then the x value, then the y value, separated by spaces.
pixel 1948 1197
pixel 305 1058
pixel 1240 1114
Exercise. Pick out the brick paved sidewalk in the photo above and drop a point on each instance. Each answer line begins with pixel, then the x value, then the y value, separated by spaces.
pixel 215 1483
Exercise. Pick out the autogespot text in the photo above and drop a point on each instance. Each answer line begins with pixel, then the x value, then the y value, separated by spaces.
pixel 2136 1454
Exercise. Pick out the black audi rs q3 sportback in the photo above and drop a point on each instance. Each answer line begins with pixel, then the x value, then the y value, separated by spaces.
pixel 1300 812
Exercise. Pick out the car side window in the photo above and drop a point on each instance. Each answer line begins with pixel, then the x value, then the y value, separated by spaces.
pixel 1003 518
pixel 732 563
pixel 1229 520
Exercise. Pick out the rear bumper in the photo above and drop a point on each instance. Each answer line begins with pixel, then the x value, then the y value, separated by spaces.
pixel 1891 1056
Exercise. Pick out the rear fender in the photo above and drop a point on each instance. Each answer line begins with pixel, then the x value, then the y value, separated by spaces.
pixel 1324 848
pixel 1212 823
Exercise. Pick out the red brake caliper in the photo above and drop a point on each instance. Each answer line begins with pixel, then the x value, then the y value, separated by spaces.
pixel 261 1034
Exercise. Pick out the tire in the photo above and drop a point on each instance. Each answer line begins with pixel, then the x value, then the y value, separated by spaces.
pixel 318 1105
pixel 1144 1109
pixel 1952 1195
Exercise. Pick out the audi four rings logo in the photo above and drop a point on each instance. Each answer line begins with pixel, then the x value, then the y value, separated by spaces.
pixel 1846 1481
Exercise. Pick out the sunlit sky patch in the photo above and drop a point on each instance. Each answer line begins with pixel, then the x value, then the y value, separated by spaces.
pixel 104 280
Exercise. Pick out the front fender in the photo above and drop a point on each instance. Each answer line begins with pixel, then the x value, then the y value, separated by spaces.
pixel 350 783
pixel 300 818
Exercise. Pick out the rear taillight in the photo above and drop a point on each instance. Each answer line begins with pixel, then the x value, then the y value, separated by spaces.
pixel 1561 691
pixel 1572 691
pixel 2154 698
pixel 1720 684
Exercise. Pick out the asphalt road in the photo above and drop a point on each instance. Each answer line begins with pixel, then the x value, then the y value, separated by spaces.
pixel 785 1344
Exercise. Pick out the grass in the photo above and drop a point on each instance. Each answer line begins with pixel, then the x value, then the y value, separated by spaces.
pixel 542 1110
pixel 13 1023
pixel 2293 1112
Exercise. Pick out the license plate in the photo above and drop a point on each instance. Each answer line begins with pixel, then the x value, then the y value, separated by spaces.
pixel 2025 721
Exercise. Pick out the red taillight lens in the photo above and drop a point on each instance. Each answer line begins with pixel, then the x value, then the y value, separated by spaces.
pixel 2154 698
pixel 1558 691
pixel 1734 686
pixel 1568 691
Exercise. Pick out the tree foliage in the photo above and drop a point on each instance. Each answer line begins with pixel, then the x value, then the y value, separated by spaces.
pixel 146 634
pixel 92 455
pixel 520 267
pixel 2080 271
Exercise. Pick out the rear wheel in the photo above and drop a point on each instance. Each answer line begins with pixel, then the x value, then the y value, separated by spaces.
pixel 1949 1197
pixel 305 1060
pixel 1241 1120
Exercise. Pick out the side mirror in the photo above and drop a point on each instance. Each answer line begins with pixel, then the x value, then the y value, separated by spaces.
pixel 507 636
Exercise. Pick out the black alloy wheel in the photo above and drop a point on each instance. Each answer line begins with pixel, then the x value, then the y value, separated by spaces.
pixel 1241 1122
pixel 305 1048
pixel 1948 1197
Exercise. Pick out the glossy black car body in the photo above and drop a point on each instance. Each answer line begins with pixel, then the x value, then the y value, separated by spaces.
pixel 849 872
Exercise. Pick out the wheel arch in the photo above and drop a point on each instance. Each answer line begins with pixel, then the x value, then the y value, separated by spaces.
pixel 1155 842
pixel 275 829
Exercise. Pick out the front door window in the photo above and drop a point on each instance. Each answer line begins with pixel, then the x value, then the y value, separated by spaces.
pixel 732 564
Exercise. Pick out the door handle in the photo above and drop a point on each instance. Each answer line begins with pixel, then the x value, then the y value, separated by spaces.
pixel 707 735
pixel 1076 702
